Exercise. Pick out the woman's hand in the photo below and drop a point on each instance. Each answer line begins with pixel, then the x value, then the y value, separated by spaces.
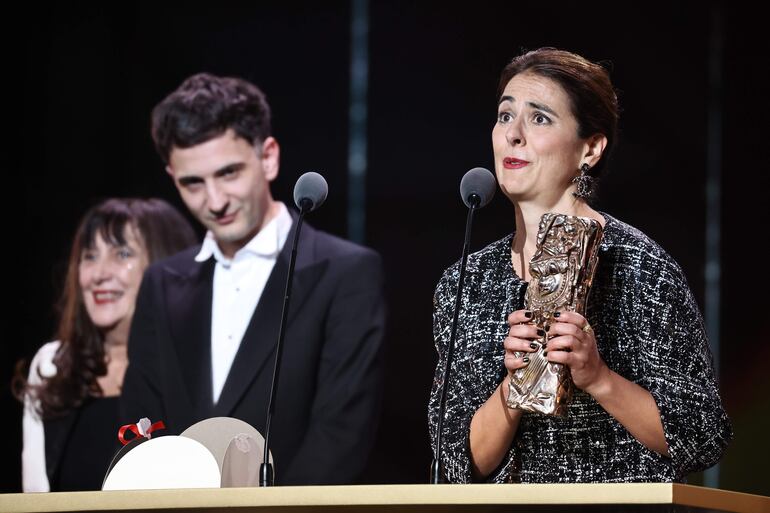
pixel 521 338
pixel 572 343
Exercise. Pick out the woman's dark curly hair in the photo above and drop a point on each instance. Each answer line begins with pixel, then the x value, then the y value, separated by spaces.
pixel 80 359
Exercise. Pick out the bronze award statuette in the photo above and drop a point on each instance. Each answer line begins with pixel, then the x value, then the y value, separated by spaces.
pixel 562 269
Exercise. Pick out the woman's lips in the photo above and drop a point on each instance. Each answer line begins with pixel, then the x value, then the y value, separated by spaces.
pixel 102 297
pixel 512 163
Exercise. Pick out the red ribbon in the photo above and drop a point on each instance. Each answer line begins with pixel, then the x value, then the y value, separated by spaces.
pixel 134 428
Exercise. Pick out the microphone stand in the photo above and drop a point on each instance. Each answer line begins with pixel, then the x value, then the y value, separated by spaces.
pixel 436 468
pixel 266 476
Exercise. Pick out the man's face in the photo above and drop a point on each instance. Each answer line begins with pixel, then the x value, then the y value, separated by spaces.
pixel 225 184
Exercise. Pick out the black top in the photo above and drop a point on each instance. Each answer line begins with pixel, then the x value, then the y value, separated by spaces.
pixel 648 329
pixel 89 448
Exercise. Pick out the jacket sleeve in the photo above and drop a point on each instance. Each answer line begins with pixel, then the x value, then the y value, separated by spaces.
pixel 466 389
pixel 455 429
pixel 34 476
pixel 346 406
pixel 677 368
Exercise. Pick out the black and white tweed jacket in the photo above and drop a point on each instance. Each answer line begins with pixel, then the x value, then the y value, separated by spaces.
pixel 648 329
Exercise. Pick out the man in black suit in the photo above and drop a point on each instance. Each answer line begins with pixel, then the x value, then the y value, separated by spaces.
pixel 203 337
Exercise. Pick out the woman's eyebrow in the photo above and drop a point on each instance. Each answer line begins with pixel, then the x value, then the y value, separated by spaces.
pixel 534 105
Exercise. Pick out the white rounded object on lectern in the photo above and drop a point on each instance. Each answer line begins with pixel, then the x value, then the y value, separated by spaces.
pixel 165 462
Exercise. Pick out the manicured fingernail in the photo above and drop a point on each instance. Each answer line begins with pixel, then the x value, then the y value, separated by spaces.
pixel 540 332
pixel 547 328
pixel 545 353
pixel 528 314
pixel 557 314
pixel 525 359
pixel 533 345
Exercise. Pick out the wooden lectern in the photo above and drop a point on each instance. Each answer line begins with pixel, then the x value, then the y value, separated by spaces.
pixel 605 498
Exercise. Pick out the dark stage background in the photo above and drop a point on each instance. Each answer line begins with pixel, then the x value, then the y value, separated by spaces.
pixel 90 77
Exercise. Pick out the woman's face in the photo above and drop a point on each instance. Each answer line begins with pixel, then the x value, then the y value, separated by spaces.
pixel 110 277
pixel 535 140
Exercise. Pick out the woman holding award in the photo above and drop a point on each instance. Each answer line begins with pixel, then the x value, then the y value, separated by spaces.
pixel 577 297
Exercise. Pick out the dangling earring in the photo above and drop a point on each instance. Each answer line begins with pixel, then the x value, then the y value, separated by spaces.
pixel 584 181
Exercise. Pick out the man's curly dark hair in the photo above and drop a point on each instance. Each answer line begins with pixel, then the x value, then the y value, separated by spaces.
pixel 206 106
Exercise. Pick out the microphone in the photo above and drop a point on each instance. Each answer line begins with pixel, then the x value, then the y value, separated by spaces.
pixel 477 188
pixel 309 193
pixel 477 185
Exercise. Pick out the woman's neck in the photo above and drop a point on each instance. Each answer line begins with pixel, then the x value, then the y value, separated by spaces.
pixel 116 358
pixel 117 336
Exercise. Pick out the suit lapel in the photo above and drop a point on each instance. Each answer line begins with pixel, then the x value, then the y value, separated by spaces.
pixel 257 350
pixel 190 297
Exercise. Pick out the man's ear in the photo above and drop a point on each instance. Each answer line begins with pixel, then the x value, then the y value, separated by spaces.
pixel 271 158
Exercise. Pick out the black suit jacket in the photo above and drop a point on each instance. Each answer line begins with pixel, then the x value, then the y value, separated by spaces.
pixel 329 391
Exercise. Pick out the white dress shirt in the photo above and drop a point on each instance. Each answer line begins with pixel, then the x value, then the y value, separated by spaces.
pixel 238 285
